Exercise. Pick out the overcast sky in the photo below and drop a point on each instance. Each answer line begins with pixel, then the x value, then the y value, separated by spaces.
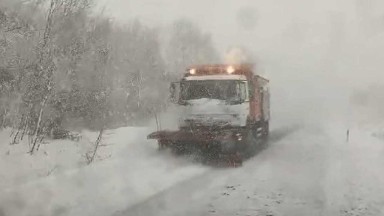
pixel 315 52
pixel 215 16
pixel 302 34
pixel 231 22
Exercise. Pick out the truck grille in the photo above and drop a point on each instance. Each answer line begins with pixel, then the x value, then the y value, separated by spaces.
pixel 201 126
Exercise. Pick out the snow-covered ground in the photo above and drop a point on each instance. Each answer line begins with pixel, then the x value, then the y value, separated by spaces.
pixel 56 180
pixel 310 170
pixel 307 170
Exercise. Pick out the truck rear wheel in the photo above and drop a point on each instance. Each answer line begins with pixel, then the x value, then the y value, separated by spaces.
pixel 265 136
pixel 266 130
pixel 251 143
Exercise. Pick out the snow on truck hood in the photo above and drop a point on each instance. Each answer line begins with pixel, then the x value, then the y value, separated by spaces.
pixel 210 106
pixel 218 77
pixel 206 102
pixel 209 112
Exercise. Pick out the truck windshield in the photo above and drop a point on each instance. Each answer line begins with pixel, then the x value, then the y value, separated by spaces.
pixel 228 90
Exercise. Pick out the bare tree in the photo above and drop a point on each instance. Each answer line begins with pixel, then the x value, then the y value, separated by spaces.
pixel 44 72
pixel 61 68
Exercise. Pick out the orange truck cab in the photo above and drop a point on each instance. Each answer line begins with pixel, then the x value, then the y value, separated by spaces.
pixel 225 109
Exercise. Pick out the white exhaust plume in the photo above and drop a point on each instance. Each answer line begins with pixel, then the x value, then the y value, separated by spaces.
pixel 237 55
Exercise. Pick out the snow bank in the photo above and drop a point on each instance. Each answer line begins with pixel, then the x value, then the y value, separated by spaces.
pixel 55 181
pixel 18 166
pixel 305 171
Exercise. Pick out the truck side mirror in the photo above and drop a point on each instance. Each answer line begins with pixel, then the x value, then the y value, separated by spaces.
pixel 174 90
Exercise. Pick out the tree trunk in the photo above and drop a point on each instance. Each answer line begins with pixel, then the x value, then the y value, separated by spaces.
pixel 97 144
pixel 38 124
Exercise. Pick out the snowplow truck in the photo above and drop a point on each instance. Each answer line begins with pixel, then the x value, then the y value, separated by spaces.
pixel 225 111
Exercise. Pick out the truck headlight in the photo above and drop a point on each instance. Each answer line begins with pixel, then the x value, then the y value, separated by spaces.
pixel 239 136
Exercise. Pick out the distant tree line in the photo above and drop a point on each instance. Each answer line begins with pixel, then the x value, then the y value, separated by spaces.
pixel 64 67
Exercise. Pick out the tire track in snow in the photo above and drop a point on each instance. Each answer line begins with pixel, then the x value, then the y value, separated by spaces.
pixel 171 201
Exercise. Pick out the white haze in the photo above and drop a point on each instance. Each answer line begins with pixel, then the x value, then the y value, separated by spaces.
pixel 314 52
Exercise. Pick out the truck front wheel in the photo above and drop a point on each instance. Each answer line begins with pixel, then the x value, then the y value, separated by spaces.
pixel 162 145
pixel 266 130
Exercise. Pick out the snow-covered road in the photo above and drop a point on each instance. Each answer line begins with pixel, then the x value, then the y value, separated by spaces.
pixel 306 170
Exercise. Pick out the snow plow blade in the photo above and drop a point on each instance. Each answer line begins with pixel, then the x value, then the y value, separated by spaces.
pixel 196 136
pixel 213 145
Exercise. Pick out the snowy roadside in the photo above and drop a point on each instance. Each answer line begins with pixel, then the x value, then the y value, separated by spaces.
pixel 132 171
pixel 54 157
pixel 356 179
pixel 306 171
pixel 18 167
pixel 311 171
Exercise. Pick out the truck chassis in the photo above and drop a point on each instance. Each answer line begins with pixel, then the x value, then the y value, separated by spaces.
pixel 231 144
